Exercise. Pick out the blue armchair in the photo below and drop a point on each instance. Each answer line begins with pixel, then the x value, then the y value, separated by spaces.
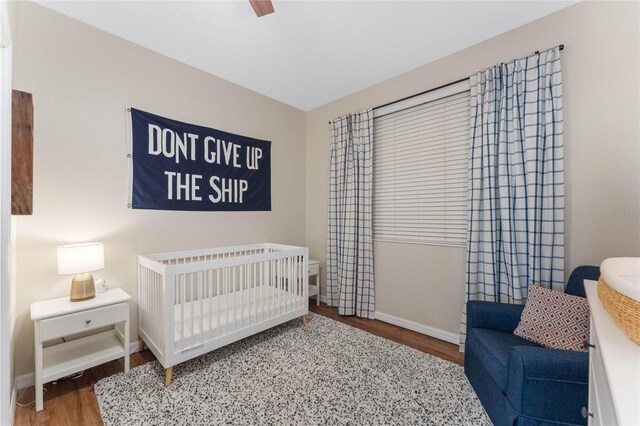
pixel 518 381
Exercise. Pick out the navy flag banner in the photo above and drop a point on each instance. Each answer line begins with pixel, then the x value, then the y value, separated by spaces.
pixel 180 166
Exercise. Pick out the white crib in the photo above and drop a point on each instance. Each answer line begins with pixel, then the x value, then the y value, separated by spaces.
pixel 192 302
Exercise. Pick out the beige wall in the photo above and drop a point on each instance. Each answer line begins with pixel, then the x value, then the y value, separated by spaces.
pixel 425 284
pixel 81 80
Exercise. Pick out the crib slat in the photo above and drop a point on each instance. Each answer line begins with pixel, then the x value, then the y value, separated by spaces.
pixel 192 305
pixel 273 286
pixel 297 280
pixel 247 269
pixel 242 281
pixel 143 301
pixel 151 306
pixel 246 288
pixel 219 297
pixel 240 295
pixel 289 283
pixel 267 289
pixel 294 289
pixel 180 279
pixel 261 267
pixel 210 287
pixel 239 309
pixel 154 287
pixel 201 298
pixel 143 314
pixel 285 285
pixel 226 298
pixel 279 286
pixel 255 293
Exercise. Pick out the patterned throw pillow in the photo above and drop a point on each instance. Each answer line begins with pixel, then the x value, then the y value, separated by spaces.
pixel 554 320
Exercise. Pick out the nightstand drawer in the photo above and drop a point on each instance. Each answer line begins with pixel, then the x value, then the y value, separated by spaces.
pixel 66 325
pixel 314 268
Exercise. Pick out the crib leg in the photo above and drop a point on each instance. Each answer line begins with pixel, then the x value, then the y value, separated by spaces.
pixel 167 377
pixel 304 320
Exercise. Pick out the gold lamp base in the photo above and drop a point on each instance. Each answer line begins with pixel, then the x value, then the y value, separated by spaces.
pixel 82 288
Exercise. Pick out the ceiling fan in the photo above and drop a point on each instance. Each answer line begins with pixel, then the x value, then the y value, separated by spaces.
pixel 262 7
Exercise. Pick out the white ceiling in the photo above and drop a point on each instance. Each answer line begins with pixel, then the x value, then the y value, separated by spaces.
pixel 307 53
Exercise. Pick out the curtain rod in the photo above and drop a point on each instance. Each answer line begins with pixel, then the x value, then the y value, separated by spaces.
pixel 561 47
pixel 421 93
pixel 418 94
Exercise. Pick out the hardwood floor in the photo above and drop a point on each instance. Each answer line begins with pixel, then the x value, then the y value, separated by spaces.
pixel 72 402
pixel 418 341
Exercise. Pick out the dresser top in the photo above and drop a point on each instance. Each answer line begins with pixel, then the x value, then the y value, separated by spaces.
pixel 63 305
pixel 621 359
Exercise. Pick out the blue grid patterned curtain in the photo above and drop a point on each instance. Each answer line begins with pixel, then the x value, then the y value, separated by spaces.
pixel 516 186
pixel 349 232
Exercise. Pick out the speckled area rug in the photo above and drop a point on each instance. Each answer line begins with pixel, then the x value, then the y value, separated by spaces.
pixel 328 373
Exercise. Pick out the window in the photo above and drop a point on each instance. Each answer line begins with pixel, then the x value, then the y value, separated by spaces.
pixel 420 168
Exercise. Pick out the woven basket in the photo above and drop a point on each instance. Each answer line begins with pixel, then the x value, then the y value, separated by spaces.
pixel 624 310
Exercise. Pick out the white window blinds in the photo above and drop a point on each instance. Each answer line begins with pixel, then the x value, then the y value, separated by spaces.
pixel 421 153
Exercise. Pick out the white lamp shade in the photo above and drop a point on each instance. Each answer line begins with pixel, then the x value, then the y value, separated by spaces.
pixel 80 258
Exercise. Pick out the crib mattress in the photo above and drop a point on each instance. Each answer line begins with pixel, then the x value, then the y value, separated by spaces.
pixel 207 318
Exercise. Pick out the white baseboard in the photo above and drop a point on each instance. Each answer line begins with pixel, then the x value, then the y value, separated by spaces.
pixel 25 380
pixel 420 328
pixel 133 347
pixel 14 400
pixel 29 379
pixel 312 299
pixel 411 325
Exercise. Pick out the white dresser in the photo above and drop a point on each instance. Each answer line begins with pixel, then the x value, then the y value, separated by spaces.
pixel 614 369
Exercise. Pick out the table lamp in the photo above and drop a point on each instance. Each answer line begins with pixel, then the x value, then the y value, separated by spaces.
pixel 80 259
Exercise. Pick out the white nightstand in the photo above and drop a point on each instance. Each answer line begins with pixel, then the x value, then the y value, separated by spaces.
pixel 314 270
pixel 57 318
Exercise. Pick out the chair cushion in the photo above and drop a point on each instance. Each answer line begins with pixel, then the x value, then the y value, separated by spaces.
pixel 491 347
pixel 554 320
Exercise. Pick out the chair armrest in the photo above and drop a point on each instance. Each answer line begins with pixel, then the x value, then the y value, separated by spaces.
pixel 548 384
pixel 496 316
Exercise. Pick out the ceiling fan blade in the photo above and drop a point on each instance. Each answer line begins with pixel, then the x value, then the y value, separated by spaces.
pixel 262 7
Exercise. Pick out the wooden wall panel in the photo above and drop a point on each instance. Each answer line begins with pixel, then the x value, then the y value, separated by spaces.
pixel 22 153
